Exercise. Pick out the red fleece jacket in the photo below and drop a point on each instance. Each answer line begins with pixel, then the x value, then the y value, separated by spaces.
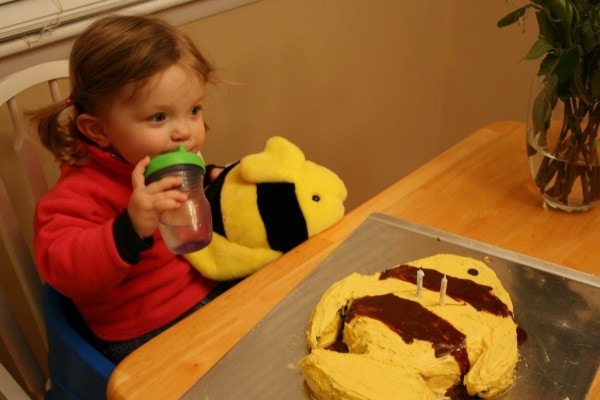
pixel 76 254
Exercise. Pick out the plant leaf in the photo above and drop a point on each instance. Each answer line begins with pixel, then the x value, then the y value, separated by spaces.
pixel 539 48
pixel 582 91
pixel 512 17
pixel 563 10
pixel 595 83
pixel 587 37
pixel 548 28
pixel 566 64
pixel 548 64
pixel 541 3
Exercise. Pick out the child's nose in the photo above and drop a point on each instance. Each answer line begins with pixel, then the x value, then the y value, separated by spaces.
pixel 182 131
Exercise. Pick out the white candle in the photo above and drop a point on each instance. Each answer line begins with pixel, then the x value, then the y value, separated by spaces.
pixel 420 275
pixel 443 287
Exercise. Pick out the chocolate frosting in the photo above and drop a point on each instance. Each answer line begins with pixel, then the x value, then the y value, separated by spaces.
pixel 478 296
pixel 411 321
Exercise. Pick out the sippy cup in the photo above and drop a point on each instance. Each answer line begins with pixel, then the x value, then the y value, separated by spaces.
pixel 188 228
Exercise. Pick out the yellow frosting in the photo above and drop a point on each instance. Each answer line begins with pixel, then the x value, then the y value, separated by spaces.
pixel 376 353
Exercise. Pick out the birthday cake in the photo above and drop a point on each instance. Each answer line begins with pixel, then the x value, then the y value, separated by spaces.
pixel 441 327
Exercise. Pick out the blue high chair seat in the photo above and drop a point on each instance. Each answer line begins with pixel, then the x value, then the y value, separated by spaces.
pixel 77 370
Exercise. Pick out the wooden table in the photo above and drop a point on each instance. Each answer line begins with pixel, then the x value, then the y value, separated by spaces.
pixel 481 188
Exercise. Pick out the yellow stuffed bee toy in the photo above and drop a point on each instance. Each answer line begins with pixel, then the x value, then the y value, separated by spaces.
pixel 263 206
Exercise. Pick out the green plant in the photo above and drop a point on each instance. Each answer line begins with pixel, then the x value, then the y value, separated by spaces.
pixel 569 41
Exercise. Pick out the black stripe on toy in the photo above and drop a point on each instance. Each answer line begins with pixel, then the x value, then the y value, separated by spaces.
pixel 213 194
pixel 281 214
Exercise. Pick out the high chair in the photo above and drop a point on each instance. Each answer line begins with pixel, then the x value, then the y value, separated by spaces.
pixel 54 354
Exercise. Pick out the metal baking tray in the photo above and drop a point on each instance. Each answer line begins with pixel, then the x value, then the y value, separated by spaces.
pixel 559 308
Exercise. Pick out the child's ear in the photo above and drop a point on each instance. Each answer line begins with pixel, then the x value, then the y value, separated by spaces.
pixel 93 129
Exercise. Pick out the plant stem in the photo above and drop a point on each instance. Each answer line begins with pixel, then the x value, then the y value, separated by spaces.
pixel 575 155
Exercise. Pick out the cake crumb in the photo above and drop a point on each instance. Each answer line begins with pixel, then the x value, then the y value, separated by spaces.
pixel 292 366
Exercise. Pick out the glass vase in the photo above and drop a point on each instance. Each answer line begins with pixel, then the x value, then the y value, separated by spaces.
pixel 563 150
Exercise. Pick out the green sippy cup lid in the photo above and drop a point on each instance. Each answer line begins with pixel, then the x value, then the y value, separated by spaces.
pixel 177 157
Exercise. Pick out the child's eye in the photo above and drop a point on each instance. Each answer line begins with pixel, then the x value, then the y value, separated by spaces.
pixel 195 110
pixel 158 117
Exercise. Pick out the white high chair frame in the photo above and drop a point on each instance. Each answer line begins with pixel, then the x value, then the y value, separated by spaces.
pixel 23 331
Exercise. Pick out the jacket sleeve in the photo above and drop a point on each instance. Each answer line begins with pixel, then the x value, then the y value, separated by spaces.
pixel 75 249
pixel 129 244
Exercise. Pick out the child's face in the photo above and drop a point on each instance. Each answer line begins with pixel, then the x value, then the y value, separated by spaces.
pixel 166 113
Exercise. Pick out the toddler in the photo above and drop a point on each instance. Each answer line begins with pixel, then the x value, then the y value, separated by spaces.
pixel 137 90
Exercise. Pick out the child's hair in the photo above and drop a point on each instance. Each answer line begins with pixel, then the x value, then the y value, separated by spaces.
pixel 113 52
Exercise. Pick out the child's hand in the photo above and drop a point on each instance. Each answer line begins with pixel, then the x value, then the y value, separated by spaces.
pixel 214 172
pixel 148 202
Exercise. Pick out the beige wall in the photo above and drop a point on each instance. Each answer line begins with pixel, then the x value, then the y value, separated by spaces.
pixel 371 89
